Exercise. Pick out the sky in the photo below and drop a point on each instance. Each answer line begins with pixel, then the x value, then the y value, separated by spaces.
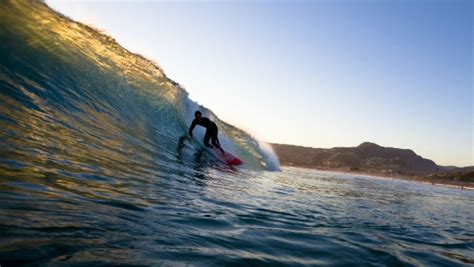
pixel 314 73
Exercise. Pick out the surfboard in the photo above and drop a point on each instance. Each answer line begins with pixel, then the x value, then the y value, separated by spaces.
pixel 225 157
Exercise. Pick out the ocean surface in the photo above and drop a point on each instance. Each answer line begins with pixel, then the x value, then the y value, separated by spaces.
pixel 95 169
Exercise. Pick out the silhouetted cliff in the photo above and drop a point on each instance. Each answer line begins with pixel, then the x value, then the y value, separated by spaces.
pixel 367 157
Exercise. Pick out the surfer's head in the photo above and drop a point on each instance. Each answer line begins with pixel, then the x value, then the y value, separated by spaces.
pixel 198 115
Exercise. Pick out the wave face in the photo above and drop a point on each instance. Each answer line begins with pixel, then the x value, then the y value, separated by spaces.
pixel 71 96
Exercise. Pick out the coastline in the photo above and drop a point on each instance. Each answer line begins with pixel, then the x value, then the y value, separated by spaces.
pixel 413 178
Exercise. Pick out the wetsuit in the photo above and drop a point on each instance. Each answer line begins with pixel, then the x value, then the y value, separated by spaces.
pixel 211 131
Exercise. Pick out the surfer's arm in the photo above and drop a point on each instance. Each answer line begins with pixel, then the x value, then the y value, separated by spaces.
pixel 192 128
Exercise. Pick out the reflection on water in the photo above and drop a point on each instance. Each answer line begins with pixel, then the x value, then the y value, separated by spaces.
pixel 204 215
pixel 94 170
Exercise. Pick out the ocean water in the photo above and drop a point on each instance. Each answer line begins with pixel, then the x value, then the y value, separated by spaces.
pixel 94 170
pixel 215 216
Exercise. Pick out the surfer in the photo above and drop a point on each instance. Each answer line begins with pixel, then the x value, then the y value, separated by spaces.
pixel 211 130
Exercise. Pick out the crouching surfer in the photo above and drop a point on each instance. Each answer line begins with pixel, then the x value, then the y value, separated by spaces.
pixel 211 130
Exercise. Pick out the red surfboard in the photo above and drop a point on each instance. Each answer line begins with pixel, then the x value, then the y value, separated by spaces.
pixel 227 157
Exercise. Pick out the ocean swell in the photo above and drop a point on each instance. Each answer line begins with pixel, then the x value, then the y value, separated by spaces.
pixel 73 94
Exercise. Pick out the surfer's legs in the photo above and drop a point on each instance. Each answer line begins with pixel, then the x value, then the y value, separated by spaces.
pixel 211 134
pixel 207 137
pixel 215 140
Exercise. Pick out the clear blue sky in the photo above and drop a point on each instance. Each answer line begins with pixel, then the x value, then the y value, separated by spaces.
pixel 314 73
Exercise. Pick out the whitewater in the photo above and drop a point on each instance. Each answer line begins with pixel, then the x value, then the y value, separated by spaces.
pixel 95 169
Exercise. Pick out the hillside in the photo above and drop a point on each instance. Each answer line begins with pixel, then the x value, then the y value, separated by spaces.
pixel 368 157
pixel 373 159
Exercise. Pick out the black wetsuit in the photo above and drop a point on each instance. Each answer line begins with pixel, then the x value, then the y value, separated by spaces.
pixel 211 131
